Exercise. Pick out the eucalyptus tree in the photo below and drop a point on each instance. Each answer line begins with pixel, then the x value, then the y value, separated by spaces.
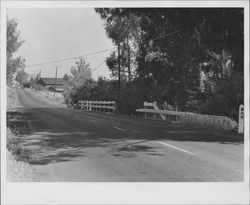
pixel 122 27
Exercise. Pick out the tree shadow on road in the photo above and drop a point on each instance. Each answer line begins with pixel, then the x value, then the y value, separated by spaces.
pixel 44 144
pixel 204 135
pixel 131 150
pixel 50 146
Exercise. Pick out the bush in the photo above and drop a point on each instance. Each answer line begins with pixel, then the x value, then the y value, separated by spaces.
pixel 225 101
pixel 130 99
pixel 228 96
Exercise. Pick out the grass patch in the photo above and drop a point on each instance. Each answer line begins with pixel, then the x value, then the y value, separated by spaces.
pixel 18 169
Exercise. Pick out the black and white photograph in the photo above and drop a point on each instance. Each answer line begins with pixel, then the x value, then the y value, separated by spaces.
pixel 111 94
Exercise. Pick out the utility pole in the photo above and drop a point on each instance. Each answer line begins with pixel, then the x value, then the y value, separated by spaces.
pixel 119 69
pixel 55 82
pixel 129 68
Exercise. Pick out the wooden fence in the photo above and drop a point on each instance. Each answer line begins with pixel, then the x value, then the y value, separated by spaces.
pixel 103 106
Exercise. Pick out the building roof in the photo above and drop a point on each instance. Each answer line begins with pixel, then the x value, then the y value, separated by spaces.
pixel 53 81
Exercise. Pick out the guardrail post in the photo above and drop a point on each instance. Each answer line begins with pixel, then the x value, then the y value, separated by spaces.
pixel 81 104
pixel 115 107
pixel 241 119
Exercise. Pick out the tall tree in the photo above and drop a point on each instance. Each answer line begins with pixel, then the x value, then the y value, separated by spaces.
pixel 13 43
pixel 122 28
pixel 200 32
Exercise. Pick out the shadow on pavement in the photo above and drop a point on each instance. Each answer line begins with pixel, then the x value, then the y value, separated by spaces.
pixel 44 144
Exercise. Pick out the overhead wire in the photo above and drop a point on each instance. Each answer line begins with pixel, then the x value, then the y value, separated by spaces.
pixel 98 66
pixel 71 58
pixel 96 52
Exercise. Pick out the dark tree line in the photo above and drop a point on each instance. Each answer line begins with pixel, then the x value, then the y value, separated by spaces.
pixel 193 58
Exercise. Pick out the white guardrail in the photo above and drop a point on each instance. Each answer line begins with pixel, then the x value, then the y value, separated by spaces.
pixel 103 106
pixel 218 122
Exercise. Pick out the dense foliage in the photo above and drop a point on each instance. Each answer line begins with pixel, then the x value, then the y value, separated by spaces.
pixel 228 96
pixel 192 58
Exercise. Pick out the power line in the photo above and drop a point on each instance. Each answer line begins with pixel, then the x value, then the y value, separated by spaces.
pixel 97 52
pixel 101 64
pixel 66 59
pixel 98 66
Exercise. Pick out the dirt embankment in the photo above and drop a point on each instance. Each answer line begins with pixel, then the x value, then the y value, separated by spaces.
pixel 12 99
pixel 17 169
pixel 50 97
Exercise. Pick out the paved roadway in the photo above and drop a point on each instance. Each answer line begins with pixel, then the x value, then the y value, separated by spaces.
pixel 77 146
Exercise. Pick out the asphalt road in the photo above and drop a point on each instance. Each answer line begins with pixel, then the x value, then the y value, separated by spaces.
pixel 78 146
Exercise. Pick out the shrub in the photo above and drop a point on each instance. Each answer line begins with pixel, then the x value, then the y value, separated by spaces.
pixel 228 96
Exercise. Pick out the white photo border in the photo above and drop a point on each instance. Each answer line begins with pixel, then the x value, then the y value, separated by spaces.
pixel 123 193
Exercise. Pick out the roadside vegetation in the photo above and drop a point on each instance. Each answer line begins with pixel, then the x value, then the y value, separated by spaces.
pixel 190 58
pixel 18 170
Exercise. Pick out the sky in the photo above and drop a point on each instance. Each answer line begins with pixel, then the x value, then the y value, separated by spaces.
pixel 57 33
